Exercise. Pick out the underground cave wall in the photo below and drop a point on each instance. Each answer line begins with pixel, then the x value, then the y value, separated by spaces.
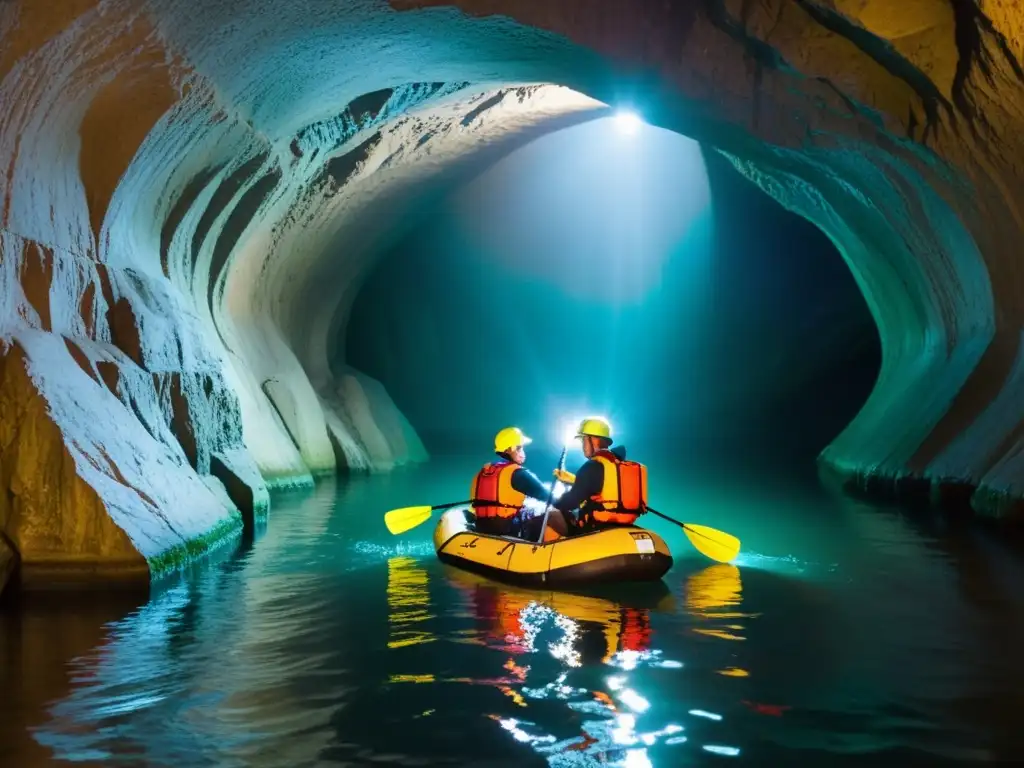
pixel 152 388
pixel 121 430
pixel 900 136
pixel 898 132
pixel 112 410
pixel 118 404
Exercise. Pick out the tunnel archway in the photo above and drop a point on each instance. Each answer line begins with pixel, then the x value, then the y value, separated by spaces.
pixel 166 213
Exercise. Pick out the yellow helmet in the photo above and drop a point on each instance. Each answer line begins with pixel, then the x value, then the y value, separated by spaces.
pixel 510 437
pixel 595 426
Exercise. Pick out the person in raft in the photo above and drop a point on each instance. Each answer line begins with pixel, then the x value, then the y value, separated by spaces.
pixel 500 489
pixel 607 490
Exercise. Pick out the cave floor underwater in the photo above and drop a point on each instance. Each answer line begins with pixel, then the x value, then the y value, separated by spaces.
pixel 844 634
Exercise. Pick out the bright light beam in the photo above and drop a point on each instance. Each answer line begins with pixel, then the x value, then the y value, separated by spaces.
pixel 627 122
pixel 569 437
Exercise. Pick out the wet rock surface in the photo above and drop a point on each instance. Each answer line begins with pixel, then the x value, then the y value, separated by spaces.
pixel 8 562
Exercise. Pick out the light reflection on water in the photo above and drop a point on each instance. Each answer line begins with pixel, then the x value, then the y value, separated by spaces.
pixel 604 656
pixel 328 642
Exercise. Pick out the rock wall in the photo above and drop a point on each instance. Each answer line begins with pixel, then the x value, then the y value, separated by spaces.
pixel 8 562
pixel 192 192
pixel 170 270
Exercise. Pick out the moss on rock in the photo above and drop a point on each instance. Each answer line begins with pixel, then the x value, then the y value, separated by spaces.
pixel 188 552
pixel 290 482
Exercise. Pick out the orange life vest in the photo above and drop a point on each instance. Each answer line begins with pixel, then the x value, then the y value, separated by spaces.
pixel 623 495
pixel 492 492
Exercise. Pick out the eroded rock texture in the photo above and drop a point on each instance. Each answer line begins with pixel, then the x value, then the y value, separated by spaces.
pixel 8 561
pixel 192 191
pixel 173 265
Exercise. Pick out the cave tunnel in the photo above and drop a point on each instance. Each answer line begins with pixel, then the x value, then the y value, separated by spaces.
pixel 251 251
pixel 183 239
pixel 622 271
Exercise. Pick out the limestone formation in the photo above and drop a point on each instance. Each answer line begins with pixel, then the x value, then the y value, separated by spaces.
pixel 192 192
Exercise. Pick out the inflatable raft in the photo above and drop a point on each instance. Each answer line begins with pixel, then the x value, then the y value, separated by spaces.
pixel 620 554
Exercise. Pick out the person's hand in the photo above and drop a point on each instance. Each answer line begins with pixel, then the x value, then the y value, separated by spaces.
pixel 566 477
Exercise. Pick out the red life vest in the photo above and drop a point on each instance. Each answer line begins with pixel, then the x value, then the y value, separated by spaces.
pixel 623 495
pixel 492 492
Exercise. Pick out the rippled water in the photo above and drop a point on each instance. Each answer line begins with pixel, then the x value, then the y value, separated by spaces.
pixel 845 635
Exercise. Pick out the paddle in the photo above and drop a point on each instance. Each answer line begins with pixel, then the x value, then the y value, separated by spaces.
pixel 551 495
pixel 405 519
pixel 712 543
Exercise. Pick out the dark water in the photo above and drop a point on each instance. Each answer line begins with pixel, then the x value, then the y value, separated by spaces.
pixel 845 635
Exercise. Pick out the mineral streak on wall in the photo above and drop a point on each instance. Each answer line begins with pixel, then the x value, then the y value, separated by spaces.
pixel 191 192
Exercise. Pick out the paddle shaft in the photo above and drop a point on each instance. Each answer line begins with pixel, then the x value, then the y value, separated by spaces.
pixel 551 495
pixel 673 520
pixel 453 504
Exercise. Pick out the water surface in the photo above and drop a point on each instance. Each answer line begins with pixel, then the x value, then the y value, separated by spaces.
pixel 845 635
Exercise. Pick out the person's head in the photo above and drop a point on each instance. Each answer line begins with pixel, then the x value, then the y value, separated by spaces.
pixel 595 434
pixel 510 444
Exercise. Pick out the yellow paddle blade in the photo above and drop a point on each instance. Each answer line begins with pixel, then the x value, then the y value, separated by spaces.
pixel 718 545
pixel 405 519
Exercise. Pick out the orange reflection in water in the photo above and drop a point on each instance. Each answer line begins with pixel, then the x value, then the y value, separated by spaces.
pixel 592 627
pixel 551 642
pixel 589 633
pixel 409 608
pixel 733 672
pixel 713 596
pixel 408 603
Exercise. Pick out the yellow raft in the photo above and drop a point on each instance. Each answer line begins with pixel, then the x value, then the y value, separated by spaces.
pixel 611 555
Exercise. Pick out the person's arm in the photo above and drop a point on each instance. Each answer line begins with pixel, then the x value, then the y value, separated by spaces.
pixel 524 481
pixel 589 480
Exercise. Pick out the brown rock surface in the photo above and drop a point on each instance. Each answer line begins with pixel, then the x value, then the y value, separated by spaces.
pixel 8 562
pixel 56 522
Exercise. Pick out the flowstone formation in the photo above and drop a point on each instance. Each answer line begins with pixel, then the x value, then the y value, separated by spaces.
pixel 192 192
